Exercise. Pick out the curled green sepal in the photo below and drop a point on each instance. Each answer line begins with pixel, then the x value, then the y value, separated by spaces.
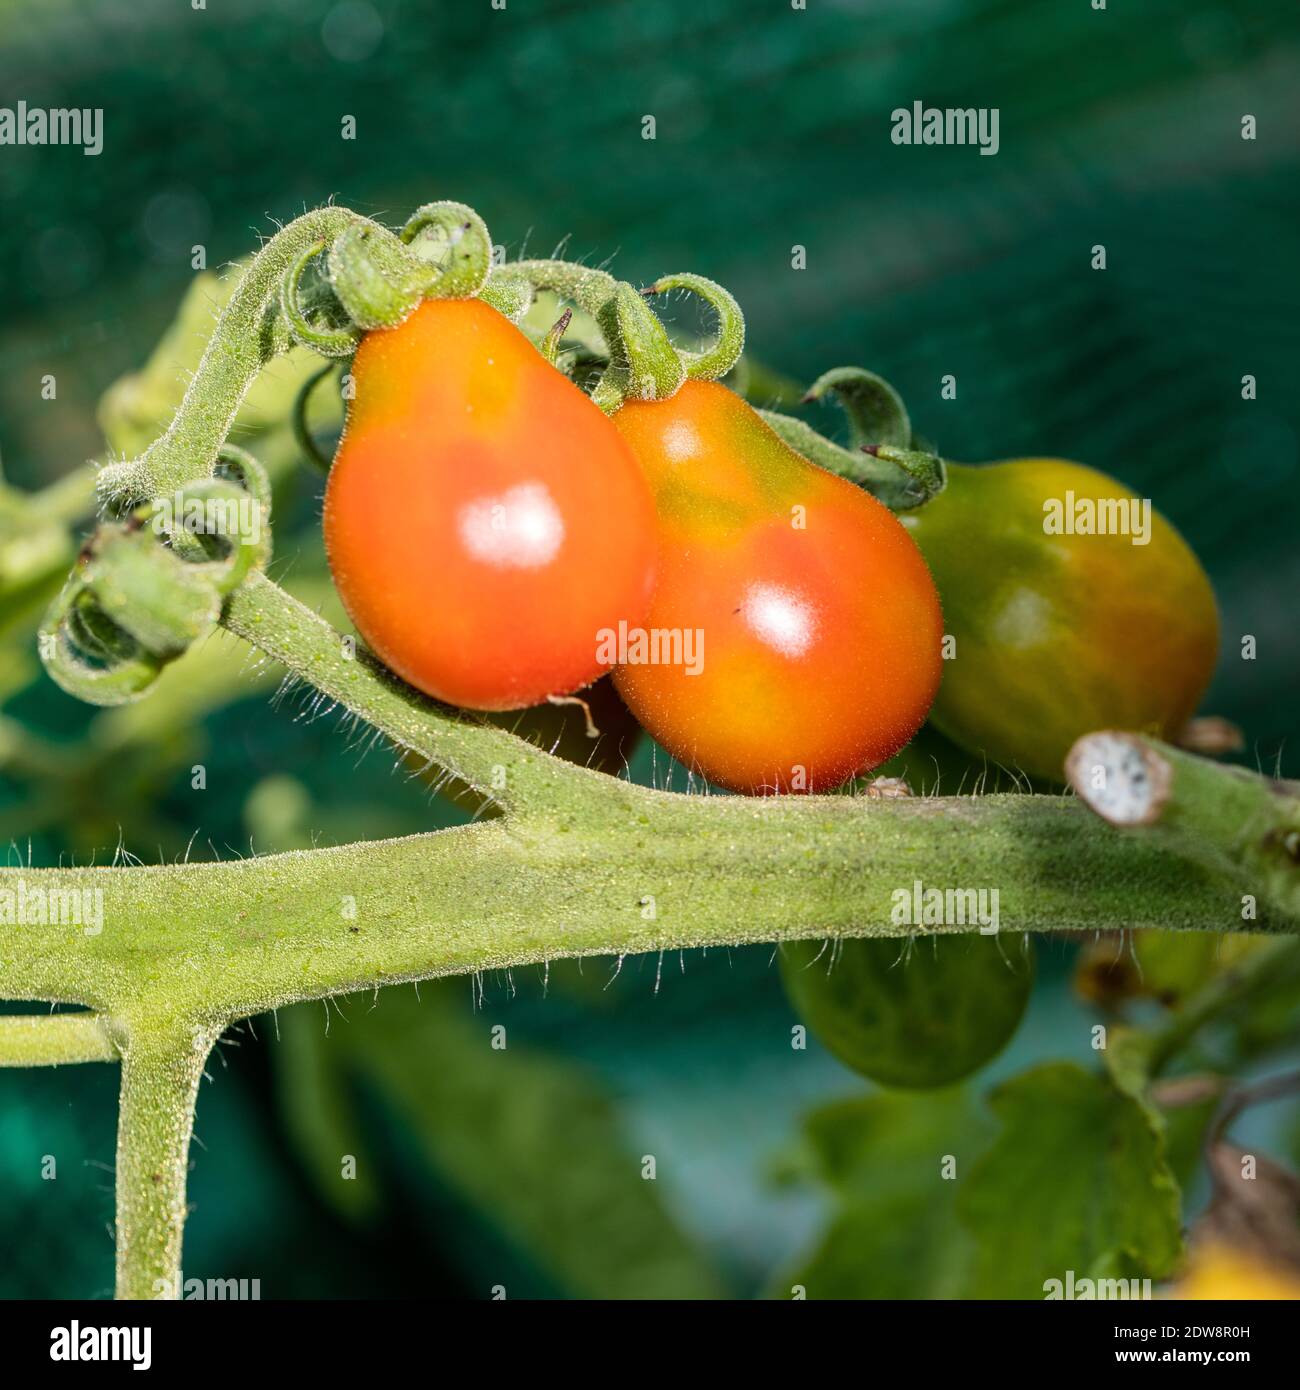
pixel 238 464
pixel 508 293
pixel 147 588
pixel 219 527
pixel 328 341
pixel 643 362
pixel 89 656
pixel 298 418
pixel 875 411
pixel 717 361
pixel 453 239
pixel 148 592
pixel 925 474
pixel 900 478
pixel 646 366
pixel 377 278
pixel 380 278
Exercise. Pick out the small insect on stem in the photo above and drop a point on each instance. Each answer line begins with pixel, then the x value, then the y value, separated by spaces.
pixel 887 788
pixel 1211 736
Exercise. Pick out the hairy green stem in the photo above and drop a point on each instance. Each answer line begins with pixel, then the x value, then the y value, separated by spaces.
pixel 483 756
pixel 581 864
pixel 636 871
pixel 162 1065
pixel 599 867
pixel 248 334
pixel 51 1040
pixel 1235 821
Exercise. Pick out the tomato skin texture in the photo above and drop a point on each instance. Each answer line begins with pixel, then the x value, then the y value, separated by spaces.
pixel 483 520
pixel 821 642
pixel 1059 635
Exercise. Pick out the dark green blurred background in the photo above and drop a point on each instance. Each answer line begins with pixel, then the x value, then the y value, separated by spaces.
pixel 1120 127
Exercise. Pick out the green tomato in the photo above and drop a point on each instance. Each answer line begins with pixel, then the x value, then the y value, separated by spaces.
pixel 911 1016
pixel 1059 631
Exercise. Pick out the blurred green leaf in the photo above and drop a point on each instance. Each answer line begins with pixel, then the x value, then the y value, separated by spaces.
pixel 316 1101
pixel 1173 965
pixel 528 1141
pixel 893 1162
pixel 1270 1018
pixel 1185 1128
pixel 913 1016
pixel 139 406
pixel 1128 1056
pixel 1078 1176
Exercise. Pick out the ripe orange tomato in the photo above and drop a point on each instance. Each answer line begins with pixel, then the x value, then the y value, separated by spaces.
pixel 484 522
pixel 805 618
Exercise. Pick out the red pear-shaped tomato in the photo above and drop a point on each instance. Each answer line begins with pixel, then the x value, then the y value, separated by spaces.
pixel 486 525
pixel 794 637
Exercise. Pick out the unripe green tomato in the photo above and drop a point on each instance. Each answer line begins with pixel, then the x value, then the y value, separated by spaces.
pixel 911 1016
pixel 1060 634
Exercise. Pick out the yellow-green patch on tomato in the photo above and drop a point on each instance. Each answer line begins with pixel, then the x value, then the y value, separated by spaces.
pixel 1058 630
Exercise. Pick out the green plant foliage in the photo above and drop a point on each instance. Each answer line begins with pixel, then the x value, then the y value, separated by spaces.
pixel 528 1142
pixel 892 1164
pixel 1173 965
pixel 917 1015
pixel 1049 354
pixel 1078 1179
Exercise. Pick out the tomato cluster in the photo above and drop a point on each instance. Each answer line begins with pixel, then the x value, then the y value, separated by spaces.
pixel 499 541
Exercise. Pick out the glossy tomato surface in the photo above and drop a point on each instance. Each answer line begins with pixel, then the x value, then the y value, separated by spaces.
pixel 1057 635
pixel 485 523
pixel 812 617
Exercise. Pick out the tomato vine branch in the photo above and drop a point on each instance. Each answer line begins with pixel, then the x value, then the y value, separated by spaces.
pixel 580 863
pixel 249 333
pixel 486 758
pixel 51 1040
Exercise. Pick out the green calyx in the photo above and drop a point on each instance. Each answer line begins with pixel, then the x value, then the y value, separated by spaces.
pixel 900 478
pixel 875 411
pixel 373 278
pixel 508 294
pixel 718 360
pixel 320 282
pixel 641 362
pixel 882 454
pixel 145 589
pixel 453 240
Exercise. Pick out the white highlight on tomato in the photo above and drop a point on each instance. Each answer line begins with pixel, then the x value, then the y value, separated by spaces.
pixel 780 618
pixel 520 529
pixel 1023 620
pixel 681 441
